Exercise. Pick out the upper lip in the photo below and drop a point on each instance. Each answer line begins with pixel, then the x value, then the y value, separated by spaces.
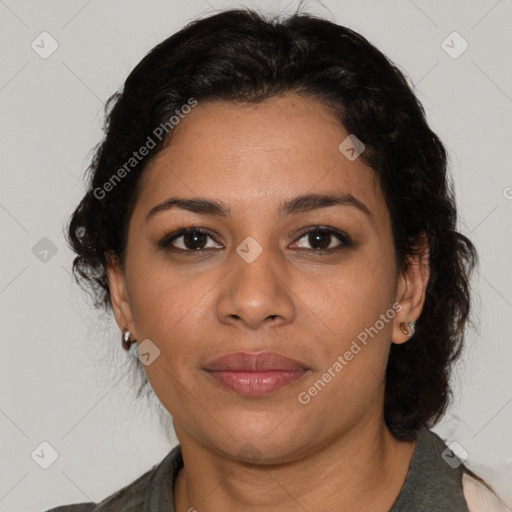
pixel 254 361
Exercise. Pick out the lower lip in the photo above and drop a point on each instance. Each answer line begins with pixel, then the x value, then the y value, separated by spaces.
pixel 255 383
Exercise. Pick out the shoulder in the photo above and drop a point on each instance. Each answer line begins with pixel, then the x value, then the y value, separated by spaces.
pixel 127 499
pixel 131 498
pixel 479 496
pixel 77 507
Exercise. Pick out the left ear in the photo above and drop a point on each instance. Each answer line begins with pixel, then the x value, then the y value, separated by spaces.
pixel 411 289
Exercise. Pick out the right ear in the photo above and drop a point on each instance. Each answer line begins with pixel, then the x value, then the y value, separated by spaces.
pixel 119 294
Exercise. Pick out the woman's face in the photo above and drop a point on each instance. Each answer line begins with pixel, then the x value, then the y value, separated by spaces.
pixel 255 286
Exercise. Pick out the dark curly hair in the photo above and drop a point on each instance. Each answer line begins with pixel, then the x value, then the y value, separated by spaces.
pixel 240 56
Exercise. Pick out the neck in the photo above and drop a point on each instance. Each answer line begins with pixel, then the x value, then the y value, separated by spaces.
pixel 364 469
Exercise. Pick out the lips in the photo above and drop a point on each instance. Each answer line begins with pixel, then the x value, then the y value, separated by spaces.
pixel 254 361
pixel 255 374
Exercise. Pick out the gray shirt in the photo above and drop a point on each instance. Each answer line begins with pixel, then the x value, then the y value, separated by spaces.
pixel 431 484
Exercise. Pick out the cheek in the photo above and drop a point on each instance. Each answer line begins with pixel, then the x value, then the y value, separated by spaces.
pixel 174 308
pixel 161 294
pixel 353 354
pixel 354 304
pixel 350 296
pixel 167 310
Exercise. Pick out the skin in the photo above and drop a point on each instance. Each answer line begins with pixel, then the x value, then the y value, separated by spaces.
pixel 309 307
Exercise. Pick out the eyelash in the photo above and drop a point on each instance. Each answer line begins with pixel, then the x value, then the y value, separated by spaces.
pixel 165 242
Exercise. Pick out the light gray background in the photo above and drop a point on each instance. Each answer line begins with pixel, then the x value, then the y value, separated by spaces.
pixel 58 382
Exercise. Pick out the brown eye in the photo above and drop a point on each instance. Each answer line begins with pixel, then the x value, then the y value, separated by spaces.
pixel 188 240
pixel 322 239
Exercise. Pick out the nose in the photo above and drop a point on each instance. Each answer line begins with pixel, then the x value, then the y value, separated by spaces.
pixel 256 291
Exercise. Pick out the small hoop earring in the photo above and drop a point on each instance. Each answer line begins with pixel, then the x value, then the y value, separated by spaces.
pixel 126 339
pixel 412 326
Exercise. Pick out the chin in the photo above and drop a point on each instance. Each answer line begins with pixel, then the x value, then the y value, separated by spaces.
pixel 265 442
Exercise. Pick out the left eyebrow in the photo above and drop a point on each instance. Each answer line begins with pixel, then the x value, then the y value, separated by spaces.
pixel 299 204
pixel 308 202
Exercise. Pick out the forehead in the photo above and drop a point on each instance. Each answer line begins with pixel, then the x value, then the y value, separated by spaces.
pixel 251 155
